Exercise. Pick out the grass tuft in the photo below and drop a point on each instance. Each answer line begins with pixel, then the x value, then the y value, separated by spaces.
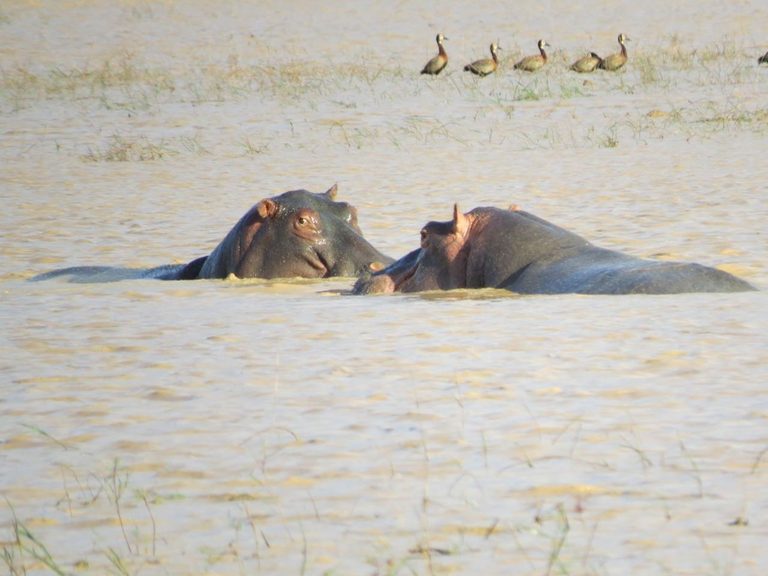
pixel 26 543
pixel 124 150
pixel 141 149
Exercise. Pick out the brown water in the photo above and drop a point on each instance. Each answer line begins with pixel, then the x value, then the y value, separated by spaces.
pixel 251 427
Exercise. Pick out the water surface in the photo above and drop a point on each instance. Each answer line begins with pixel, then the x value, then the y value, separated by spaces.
pixel 246 427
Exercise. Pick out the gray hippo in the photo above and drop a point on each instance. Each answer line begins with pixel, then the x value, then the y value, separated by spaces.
pixel 515 250
pixel 295 234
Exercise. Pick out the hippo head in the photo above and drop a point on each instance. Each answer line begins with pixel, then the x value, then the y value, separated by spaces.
pixel 439 264
pixel 295 234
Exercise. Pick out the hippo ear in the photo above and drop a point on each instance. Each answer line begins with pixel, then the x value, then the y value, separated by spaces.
pixel 266 208
pixel 331 192
pixel 460 221
pixel 376 266
pixel 250 224
pixel 514 208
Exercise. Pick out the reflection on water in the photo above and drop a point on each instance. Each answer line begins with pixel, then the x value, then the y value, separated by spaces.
pixel 286 427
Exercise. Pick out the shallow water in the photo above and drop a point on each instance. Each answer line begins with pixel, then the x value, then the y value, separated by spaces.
pixel 285 427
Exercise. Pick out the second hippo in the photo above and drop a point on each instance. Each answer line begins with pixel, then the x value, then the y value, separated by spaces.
pixel 512 249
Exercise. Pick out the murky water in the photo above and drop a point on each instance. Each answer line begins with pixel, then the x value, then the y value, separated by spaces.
pixel 284 427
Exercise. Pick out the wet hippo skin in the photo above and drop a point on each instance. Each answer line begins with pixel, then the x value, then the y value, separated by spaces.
pixel 295 234
pixel 512 249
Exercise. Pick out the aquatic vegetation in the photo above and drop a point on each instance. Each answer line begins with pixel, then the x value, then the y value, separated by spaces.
pixel 648 69
pixel 337 97
pixel 124 150
pixel 27 547
pixel 26 544
pixel 723 117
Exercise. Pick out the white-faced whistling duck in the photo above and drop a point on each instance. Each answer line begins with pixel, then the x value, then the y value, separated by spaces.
pixel 533 63
pixel 587 63
pixel 485 66
pixel 436 64
pixel 616 61
pixel 763 59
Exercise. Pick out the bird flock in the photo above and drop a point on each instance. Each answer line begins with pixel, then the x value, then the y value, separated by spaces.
pixel 586 64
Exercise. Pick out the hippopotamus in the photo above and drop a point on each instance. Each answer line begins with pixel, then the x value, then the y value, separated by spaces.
pixel 294 234
pixel 511 249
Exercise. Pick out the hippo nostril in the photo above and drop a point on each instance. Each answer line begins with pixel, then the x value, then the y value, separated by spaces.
pixel 317 262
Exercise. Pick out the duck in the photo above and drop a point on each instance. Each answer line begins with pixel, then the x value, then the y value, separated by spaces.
pixel 533 63
pixel 587 63
pixel 616 61
pixel 763 59
pixel 439 62
pixel 485 66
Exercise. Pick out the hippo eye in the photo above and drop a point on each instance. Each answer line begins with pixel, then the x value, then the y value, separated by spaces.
pixel 306 222
pixel 423 234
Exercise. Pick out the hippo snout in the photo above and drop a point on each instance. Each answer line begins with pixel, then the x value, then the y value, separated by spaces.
pixel 374 284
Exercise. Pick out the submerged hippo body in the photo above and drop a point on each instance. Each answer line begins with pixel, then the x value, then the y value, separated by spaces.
pixel 515 250
pixel 295 234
